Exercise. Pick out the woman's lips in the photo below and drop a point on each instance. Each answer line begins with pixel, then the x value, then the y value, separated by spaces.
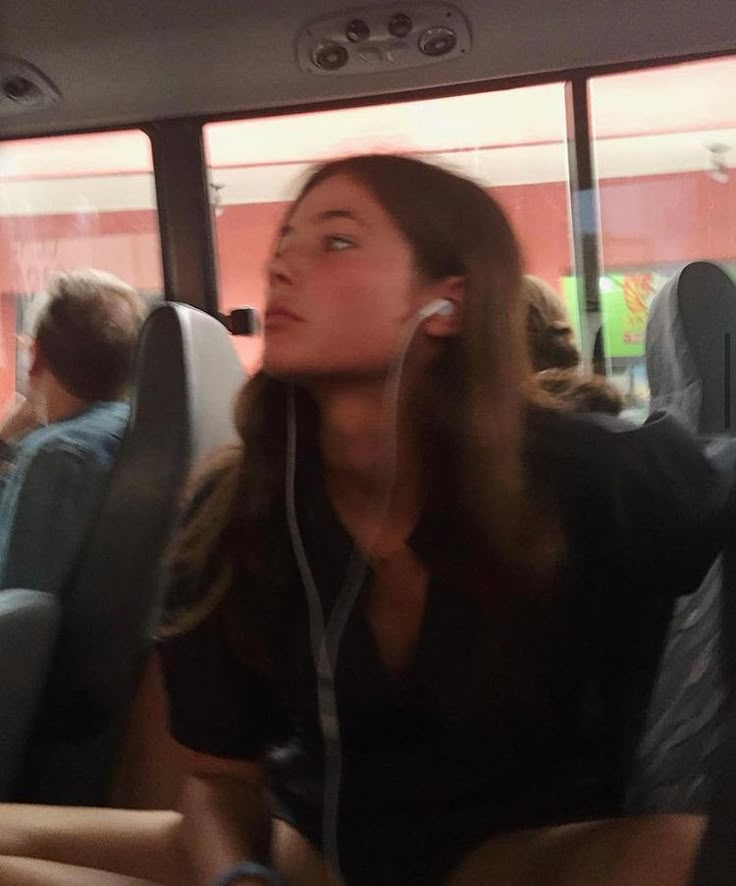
pixel 280 315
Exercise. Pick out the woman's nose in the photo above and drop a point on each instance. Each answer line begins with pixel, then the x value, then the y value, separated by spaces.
pixel 283 266
pixel 278 271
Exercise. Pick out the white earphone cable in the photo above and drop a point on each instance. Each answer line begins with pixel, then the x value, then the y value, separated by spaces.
pixel 325 639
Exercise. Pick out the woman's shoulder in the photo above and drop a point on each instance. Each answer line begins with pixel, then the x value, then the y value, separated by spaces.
pixel 656 471
pixel 646 497
pixel 548 425
pixel 614 446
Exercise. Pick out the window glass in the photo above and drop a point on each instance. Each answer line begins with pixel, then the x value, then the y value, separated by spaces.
pixel 665 154
pixel 66 203
pixel 512 142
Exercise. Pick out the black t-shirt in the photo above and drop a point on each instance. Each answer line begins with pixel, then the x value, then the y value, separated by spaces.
pixel 519 710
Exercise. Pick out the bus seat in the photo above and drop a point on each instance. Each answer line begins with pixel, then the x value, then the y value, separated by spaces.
pixel 716 859
pixel 690 323
pixel 186 377
pixel 691 349
pixel 28 625
pixel 683 729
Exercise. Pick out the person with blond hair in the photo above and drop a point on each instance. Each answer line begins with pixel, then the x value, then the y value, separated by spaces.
pixel 555 355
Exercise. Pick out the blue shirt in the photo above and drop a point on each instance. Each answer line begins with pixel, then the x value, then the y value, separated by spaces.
pixel 49 493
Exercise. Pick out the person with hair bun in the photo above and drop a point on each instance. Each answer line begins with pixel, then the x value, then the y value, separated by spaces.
pixel 551 339
pixel 556 358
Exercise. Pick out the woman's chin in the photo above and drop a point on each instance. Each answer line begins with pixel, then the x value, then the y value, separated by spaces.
pixel 283 369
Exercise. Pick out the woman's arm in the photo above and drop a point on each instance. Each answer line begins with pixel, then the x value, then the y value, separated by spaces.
pixel 226 819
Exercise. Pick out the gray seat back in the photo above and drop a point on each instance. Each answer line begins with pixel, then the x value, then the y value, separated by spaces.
pixel 691 349
pixel 689 368
pixel 716 861
pixel 28 625
pixel 186 377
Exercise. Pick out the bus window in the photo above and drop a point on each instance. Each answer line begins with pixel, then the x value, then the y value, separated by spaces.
pixel 665 154
pixel 511 141
pixel 70 202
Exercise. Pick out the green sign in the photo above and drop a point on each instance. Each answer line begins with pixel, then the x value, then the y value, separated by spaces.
pixel 624 300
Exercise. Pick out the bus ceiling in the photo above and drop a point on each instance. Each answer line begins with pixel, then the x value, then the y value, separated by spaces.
pixel 102 63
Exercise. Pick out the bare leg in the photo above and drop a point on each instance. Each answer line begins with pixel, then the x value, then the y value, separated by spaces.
pixel 107 847
pixel 57 846
pixel 132 843
pixel 657 850
pixel 32 872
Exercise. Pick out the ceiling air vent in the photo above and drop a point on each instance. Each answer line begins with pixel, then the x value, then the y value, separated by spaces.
pixel 23 88
pixel 383 38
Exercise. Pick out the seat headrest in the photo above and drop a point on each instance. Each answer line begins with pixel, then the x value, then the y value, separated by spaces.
pixel 691 332
pixel 187 365
pixel 215 376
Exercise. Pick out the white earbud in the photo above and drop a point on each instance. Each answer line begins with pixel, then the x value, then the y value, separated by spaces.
pixel 442 306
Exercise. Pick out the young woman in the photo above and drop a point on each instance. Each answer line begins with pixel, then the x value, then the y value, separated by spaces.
pixel 520 570
pixel 502 575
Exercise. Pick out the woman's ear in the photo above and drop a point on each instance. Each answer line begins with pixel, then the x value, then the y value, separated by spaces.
pixel 441 324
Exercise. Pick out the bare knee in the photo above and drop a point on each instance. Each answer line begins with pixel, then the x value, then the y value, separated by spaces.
pixel 668 845
pixel 649 851
pixel 16 871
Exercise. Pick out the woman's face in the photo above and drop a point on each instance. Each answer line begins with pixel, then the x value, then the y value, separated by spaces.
pixel 342 285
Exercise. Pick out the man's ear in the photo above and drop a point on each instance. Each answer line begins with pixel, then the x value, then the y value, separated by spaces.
pixel 37 362
pixel 451 289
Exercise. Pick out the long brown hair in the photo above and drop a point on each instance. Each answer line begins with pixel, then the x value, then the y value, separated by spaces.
pixel 470 406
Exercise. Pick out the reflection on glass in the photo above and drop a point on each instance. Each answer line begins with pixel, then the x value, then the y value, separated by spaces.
pixel 70 202
pixel 665 152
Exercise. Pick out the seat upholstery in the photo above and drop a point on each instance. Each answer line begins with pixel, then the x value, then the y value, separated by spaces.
pixel 691 349
pixel 186 377
pixel 716 860
pixel 28 625
pixel 688 363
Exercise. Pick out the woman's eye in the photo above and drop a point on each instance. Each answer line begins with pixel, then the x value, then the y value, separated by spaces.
pixel 336 242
